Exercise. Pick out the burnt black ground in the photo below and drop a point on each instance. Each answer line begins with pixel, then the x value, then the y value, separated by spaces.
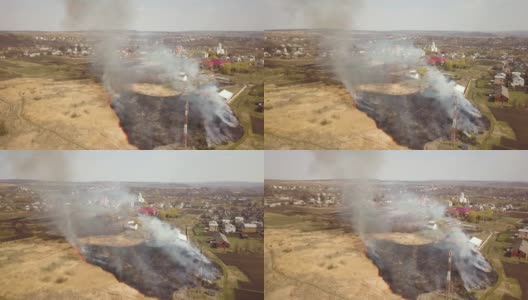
pixel 411 270
pixel 411 120
pixel 150 270
pixel 151 122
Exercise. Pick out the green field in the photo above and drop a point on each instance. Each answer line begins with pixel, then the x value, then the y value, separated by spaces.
pixel 503 229
pixel 57 68
pixel 478 92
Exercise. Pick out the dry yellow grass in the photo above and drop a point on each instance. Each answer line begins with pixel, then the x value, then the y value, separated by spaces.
pixel 155 90
pixel 317 116
pixel 388 88
pixel 319 265
pixel 45 114
pixel 37 269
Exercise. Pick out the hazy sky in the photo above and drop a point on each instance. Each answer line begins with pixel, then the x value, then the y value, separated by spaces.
pixel 398 165
pixel 177 15
pixel 159 166
pixel 151 15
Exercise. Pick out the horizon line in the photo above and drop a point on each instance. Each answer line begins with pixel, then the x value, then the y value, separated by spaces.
pixel 396 180
pixel 133 181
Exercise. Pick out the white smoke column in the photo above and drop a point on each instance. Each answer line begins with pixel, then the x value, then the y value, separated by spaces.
pixel 212 107
pixel 108 19
pixel 180 250
pixel 354 57
pixel 367 216
pixel 75 211
pixel 468 260
pixel 444 91
pixel 329 14
pixel 171 65
pixel 111 19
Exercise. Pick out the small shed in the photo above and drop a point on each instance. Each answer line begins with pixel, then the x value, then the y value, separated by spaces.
pixel 249 228
pixel 502 94
pixel 476 241
pixel 213 226
pixel 226 95
pixel 220 241
pixel 229 228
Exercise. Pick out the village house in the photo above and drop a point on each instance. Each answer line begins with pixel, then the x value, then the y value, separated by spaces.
pixel 500 79
pixel 517 80
pixel 519 248
pixel 213 226
pixel 299 203
pixel 220 241
pixel 149 211
pixel 502 94
pixel 239 220
pixel 249 228
pixel 229 228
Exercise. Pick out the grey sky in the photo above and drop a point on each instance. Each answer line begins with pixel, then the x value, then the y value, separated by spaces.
pixel 178 15
pixel 398 165
pixel 151 15
pixel 159 166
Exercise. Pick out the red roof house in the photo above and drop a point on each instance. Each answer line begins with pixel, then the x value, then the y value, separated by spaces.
pixel 210 63
pixel 459 211
pixel 436 60
pixel 150 211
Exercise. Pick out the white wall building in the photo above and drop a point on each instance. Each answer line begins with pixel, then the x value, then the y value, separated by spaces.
pixel 226 95
pixel 517 79
pixel 434 49
pixel 229 228
pixel 463 199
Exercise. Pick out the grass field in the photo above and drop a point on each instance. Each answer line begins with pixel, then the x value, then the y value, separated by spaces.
pixel 305 259
pixel 478 91
pixel 503 229
pixel 56 68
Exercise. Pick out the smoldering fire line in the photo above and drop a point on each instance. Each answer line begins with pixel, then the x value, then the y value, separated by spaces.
pixel 155 259
pixel 118 69
pixel 359 63
pixel 369 214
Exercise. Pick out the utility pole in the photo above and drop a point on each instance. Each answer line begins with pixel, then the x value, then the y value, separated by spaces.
pixel 186 126
pixel 455 120
pixel 449 284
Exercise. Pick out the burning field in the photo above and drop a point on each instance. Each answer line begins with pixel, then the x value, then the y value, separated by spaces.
pixel 413 120
pixel 149 269
pixel 154 260
pixel 151 122
pixel 411 100
pixel 37 263
pixel 412 270
pixel 158 266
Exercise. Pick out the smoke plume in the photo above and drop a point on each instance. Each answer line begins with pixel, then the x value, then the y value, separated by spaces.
pixel 332 14
pixel 87 214
pixel 357 61
pixel 108 22
pixel 370 211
